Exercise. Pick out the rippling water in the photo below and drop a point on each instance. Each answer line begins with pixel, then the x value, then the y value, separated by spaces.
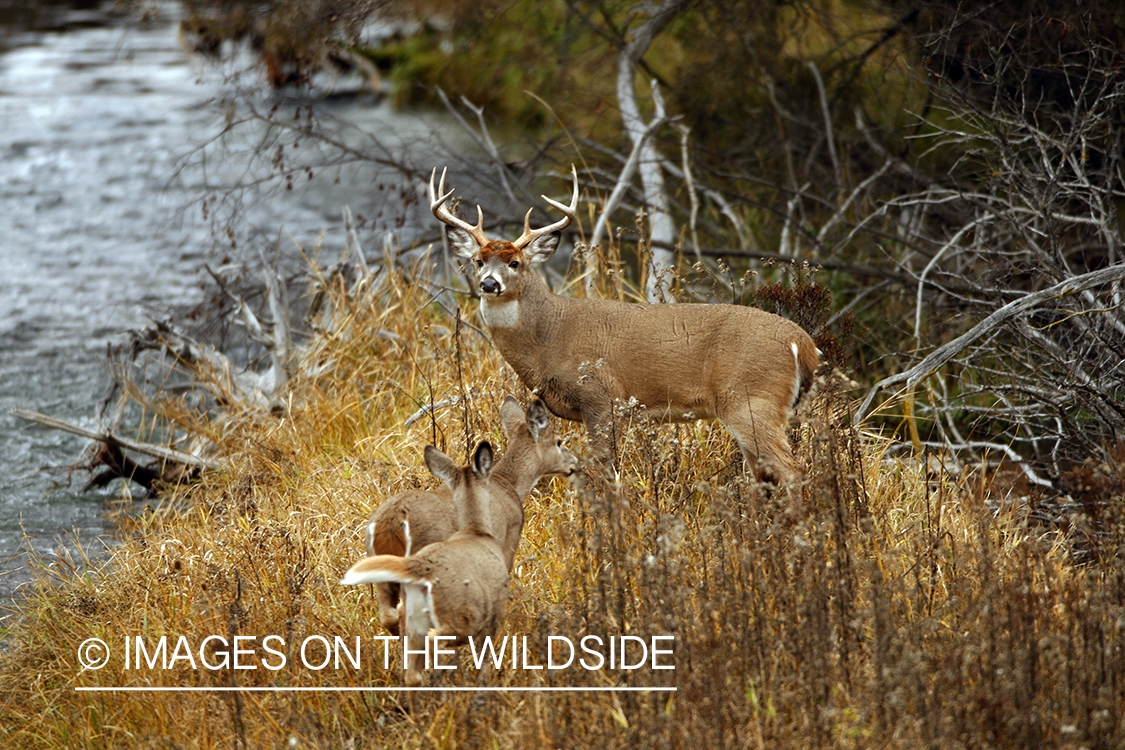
pixel 87 118
pixel 94 238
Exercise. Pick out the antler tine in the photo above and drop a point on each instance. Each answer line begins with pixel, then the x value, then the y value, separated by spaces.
pixel 569 214
pixel 443 214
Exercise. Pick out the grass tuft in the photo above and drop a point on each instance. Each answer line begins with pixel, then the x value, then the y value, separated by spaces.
pixel 880 607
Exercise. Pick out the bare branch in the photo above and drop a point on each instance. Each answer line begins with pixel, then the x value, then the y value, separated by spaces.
pixel 989 325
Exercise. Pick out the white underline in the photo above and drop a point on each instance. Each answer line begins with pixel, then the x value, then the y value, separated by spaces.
pixel 263 689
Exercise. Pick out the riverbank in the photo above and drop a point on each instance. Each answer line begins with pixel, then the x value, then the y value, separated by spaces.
pixel 101 128
pixel 887 610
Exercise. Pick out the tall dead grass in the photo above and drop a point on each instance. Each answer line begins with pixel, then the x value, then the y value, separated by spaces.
pixel 885 608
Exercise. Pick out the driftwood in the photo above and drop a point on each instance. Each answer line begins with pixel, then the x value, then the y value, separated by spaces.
pixel 148 449
pixel 171 466
pixel 222 388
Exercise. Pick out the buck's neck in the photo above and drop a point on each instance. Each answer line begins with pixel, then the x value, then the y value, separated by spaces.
pixel 527 332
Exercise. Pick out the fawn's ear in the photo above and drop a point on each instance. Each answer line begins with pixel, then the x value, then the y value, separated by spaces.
pixel 538 419
pixel 511 416
pixel 440 465
pixel 482 460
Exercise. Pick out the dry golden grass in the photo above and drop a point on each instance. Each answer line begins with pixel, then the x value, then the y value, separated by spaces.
pixel 886 609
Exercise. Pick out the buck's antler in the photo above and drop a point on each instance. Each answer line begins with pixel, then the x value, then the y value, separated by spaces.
pixel 444 215
pixel 569 214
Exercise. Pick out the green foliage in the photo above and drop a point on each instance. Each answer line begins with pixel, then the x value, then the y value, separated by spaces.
pixel 500 56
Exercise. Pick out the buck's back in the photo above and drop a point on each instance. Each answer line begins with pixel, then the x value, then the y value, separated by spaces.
pixel 676 359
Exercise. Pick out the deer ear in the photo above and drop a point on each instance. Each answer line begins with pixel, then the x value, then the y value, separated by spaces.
pixel 538 419
pixel 542 248
pixel 511 415
pixel 461 242
pixel 482 460
pixel 439 464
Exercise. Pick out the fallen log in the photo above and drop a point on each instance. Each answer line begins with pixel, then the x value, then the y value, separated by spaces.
pixel 171 466
pixel 120 441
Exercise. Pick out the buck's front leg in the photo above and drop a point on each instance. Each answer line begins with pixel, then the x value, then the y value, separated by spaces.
pixel 602 434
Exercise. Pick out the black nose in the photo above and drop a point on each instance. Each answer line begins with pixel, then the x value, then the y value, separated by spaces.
pixel 490 286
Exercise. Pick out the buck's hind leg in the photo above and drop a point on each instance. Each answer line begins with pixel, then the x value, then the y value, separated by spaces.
pixel 760 433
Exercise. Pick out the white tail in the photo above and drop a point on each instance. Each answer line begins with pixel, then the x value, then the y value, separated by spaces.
pixel 408 522
pixel 679 362
pixel 458 587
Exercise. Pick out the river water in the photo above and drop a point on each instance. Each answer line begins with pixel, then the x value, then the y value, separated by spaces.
pixel 100 229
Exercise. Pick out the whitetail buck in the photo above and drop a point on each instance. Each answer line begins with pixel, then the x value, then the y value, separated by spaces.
pixel 410 520
pixel 680 362
pixel 458 587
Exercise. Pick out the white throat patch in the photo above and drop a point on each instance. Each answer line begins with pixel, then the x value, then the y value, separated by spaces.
pixel 500 314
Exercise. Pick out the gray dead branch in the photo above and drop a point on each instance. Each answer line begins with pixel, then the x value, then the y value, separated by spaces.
pixel 1026 404
pixel 640 140
pixel 943 354
pixel 662 227
pixel 435 406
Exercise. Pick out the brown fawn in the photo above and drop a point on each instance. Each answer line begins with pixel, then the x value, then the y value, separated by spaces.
pixel 454 588
pixel 411 520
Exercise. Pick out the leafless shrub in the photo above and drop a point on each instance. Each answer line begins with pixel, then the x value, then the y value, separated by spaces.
pixel 1023 257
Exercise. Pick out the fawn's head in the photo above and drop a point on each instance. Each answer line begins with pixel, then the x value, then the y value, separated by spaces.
pixel 533 440
pixel 469 484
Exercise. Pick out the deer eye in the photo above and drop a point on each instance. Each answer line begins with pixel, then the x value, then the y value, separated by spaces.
pixel 479 262
pixel 514 264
